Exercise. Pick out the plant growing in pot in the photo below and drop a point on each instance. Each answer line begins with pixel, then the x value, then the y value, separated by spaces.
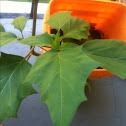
pixel 61 73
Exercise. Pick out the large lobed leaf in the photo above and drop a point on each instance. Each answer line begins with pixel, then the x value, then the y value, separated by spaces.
pixel 19 23
pixel 61 77
pixel 72 27
pixel 76 28
pixel 59 19
pixel 110 53
pixel 13 71
pixel 39 40
pixel 7 37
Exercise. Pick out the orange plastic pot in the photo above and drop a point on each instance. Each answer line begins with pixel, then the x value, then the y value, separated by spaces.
pixel 109 17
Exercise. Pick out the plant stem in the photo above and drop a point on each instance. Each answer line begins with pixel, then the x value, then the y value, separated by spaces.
pixel 35 4
pixel 29 56
pixel 30 52
pixel 34 53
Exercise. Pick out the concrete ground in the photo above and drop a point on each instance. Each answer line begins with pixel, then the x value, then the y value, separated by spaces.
pixel 20 7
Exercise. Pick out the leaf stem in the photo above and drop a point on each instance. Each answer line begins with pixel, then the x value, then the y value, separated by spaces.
pixel 34 53
pixel 30 52
pixel 29 56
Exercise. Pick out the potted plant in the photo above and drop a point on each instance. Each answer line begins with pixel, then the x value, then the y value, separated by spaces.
pixel 101 18
pixel 61 73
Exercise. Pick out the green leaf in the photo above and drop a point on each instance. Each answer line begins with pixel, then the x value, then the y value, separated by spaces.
pixel 61 77
pixel 57 20
pixel 67 45
pixel 38 40
pixel 52 35
pixel 7 37
pixel 19 23
pixel 13 71
pixel 110 53
pixel 2 28
pixel 76 28
pixel 56 42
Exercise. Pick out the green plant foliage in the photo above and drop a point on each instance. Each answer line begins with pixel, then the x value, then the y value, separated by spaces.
pixel 2 28
pixel 38 40
pixel 19 23
pixel 67 45
pixel 76 28
pixel 61 73
pixel 57 20
pixel 61 78
pixel 13 71
pixel 110 53
pixel 7 37
pixel 56 42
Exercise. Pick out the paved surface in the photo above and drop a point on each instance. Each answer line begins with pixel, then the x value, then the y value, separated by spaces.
pixel 106 105
pixel 20 7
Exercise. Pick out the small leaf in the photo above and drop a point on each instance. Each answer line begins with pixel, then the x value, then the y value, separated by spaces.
pixel 38 40
pixel 56 42
pixel 76 28
pixel 13 71
pixel 19 23
pixel 57 20
pixel 7 37
pixel 110 53
pixel 61 77
pixel 2 28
